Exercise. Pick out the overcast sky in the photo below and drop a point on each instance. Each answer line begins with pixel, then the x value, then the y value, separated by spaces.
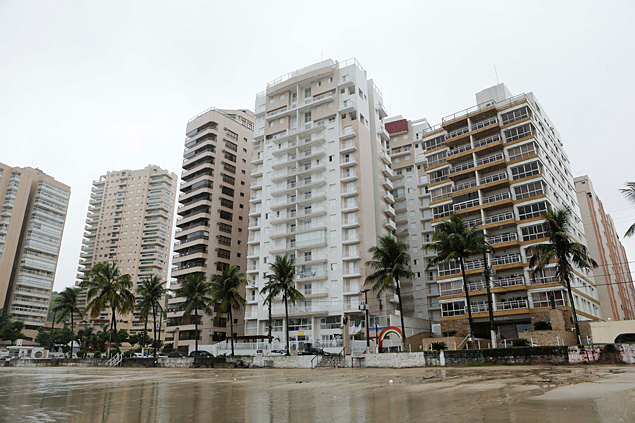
pixel 88 87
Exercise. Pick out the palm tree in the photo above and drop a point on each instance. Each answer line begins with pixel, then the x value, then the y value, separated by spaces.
pixel 151 290
pixel 225 292
pixel 562 249
pixel 66 304
pixel 107 288
pixel 629 193
pixel 197 295
pixel 390 266
pixel 453 240
pixel 268 292
pixel 281 282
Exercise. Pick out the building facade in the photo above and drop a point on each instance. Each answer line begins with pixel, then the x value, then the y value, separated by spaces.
pixel 129 222
pixel 500 164
pixel 320 193
pixel 414 216
pixel 613 275
pixel 213 214
pixel 32 221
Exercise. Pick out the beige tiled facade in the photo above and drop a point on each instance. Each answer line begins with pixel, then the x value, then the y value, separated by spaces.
pixel 499 164
pixel 213 213
pixel 32 218
pixel 613 275
pixel 318 194
pixel 129 222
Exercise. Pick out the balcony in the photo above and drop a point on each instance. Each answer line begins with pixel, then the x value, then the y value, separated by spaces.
pixel 349 191
pixel 456 134
pixel 497 197
pixel 458 150
pixel 493 178
pixel 351 222
pixel 497 218
pixel 506 259
pixel 387 171
pixel 345 81
pixel 348 161
pixel 381 131
pixel 510 281
pixel 462 186
pixel 487 141
pixel 352 272
pixel 461 168
pixel 354 254
pixel 347 106
pixel 490 159
pixel 350 206
pixel 485 123
pixel 454 268
pixel 348 132
pixel 389 210
pixel 512 305
pixel 390 224
pixel 387 183
pixel 385 157
pixel 389 197
pixel 348 175
pixel 466 205
pixel 503 238
pixel 350 239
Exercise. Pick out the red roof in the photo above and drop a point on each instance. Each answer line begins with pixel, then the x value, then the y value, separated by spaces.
pixel 397 126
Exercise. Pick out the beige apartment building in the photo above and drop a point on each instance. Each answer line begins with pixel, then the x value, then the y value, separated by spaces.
pixel 413 216
pixel 320 192
pixel 32 221
pixel 500 164
pixel 212 215
pixel 613 275
pixel 129 222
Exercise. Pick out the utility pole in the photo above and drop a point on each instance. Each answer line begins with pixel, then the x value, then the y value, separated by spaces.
pixel 487 272
pixel 365 291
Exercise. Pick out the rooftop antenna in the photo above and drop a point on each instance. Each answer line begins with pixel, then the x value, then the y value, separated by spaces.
pixel 496 72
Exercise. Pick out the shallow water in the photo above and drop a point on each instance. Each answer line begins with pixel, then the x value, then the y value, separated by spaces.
pixel 547 394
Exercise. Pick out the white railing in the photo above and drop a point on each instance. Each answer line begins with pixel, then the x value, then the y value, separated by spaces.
pixel 511 305
pixel 489 159
pixel 497 197
pixel 485 123
pixel 464 185
pixel 351 221
pixel 510 281
pixel 459 150
pixel 544 279
pixel 486 141
pixel 457 133
pixel 506 259
pixel 461 167
pixel 493 178
pixel 466 204
pixel 508 237
pixel 277 112
pixel 501 217
pixel 346 104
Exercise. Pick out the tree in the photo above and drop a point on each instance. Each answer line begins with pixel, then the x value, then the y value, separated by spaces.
pixel 196 292
pixel 280 282
pixel 562 249
pixel 66 305
pixel 151 290
pixel 225 291
pixel 629 193
pixel 12 331
pixel 455 241
pixel 107 288
pixel 390 265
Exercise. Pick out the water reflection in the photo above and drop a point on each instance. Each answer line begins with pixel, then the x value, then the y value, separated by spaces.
pixel 204 395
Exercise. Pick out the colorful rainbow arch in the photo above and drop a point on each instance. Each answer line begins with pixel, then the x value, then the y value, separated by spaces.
pixel 388 330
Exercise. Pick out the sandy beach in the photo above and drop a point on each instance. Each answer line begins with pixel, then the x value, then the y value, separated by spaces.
pixel 475 394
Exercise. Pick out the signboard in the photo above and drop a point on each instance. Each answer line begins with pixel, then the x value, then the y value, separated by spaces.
pixel 300 333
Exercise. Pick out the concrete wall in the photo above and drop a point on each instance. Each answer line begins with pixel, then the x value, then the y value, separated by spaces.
pixel 603 354
pixel 276 362
pixel 550 337
pixel 606 332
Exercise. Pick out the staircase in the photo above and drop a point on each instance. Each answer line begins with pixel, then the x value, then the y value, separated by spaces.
pixel 115 360
pixel 330 362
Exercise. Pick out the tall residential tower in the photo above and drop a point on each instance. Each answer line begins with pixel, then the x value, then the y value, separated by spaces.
pixel 213 214
pixel 613 274
pixel 129 222
pixel 31 224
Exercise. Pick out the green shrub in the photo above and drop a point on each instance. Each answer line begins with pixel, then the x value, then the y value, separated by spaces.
pixel 520 342
pixel 542 325
pixel 97 354
pixel 128 354
pixel 114 351
pixel 439 346
pixel 449 333
pixel 81 353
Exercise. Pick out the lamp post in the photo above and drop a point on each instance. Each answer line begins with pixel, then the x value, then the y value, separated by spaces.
pixel 365 291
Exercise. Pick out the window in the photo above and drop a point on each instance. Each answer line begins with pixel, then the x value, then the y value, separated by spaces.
pixel 229 179
pixel 531 233
pixel 521 151
pixel 231 134
pixel 224 227
pixel 223 240
pixel 532 210
pixel 226 215
pixel 453 309
pixel 307 92
pixel 229 168
pixel 442 211
pixel 437 158
pixel 224 254
pixel 227 191
pixel 434 142
pixel 229 156
pixel 519 132
pixel 543 299
pixel 231 145
pixel 227 203
pixel 515 115
pixel 525 170
pixel 529 190
pixel 307 117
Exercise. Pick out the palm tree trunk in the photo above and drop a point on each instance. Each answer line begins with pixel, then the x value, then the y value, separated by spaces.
pixel 114 321
pixel 403 325
pixel 145 332
pixel 51 344
pixel 72 335
pixel 286 317
pixel 196 329
pixel 154 328
pixel 270 322
pixel 231 325
pixel 160 326
pixel 467 299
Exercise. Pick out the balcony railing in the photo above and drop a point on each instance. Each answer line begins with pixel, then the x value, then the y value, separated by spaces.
pixel 464 185
pixel 461 167
pixel 499 239
pixel 466 204
pixel 484 123
pixel 457 133
pixel 489 159
pixel 501 217
pixel 493 178
pixel 454 267
pixel 506 259
pixel 512 305
pixel 459 150
pixel 486 141
pixel 497 197
pixel 510 281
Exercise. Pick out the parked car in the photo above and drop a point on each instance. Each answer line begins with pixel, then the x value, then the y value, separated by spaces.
pixel 277 352
pixel 625 338
pixel 314 351
pixel 176 354
pixel 258 353
pixel 200 354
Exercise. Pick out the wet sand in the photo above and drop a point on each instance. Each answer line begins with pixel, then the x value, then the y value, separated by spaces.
pixel 475 394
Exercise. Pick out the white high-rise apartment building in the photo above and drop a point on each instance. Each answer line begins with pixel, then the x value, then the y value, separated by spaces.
pixel 320 193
